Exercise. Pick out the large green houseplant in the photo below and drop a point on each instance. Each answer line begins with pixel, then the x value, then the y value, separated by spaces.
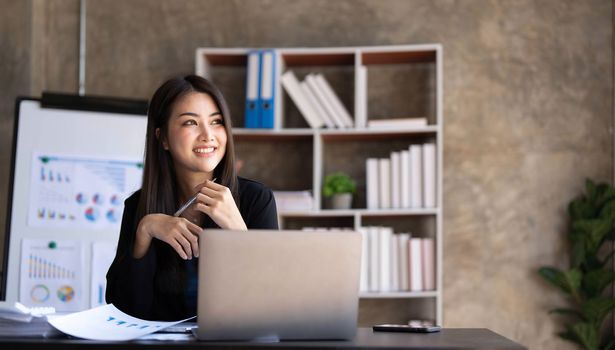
pixel 585 282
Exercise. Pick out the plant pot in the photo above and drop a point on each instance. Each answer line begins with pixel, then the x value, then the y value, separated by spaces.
pixel 341 201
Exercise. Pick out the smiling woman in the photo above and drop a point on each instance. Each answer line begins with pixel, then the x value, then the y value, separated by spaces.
pixel 189 151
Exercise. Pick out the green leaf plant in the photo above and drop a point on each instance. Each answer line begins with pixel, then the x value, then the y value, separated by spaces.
pixel 585 283
pixel 338 182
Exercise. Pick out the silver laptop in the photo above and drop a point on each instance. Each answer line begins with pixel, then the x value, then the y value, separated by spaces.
pixel 278 285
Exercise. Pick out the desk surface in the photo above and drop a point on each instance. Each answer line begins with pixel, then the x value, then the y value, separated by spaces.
pixel 454 338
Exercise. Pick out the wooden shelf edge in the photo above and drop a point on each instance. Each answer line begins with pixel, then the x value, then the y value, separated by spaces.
pixel 362 212
pixel 399 295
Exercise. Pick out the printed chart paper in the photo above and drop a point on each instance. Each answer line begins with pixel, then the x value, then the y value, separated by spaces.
pixel 102 257
pixel 107 323
pixel 51 274
pixel 80 191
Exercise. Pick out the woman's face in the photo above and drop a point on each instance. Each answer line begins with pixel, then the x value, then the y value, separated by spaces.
pixel 196 136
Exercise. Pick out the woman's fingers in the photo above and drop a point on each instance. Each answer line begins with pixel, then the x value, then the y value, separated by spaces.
pixel 181 234
pixel 193 240
pixel 178 248
pixel 185 243
pixel 212 193
pixel 192 227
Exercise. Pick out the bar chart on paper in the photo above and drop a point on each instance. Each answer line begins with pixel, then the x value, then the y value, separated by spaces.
pixel 102 257
pixel 51 274
pixel 80 191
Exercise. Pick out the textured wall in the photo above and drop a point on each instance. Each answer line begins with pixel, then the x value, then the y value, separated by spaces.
pixel 15 23
pixel 527 107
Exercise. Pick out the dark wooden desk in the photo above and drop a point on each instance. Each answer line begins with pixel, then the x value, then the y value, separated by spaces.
pixel 454 338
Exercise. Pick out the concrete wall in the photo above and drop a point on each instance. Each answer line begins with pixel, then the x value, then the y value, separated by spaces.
pixel 528 107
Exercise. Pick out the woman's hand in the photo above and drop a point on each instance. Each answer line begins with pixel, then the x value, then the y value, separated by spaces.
pixel 217 202
pixel 179 233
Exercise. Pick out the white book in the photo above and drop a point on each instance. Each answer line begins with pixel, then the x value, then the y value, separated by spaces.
pixel 384 176
pixel 374 259
pixel 416 176
pixel 429 263
pixel 313 102
pixel 286 201
pixel 371 183
pixel 403 238
pixel 385 235
pixel 323 101
pixel 429 175
pixel 339 107
pixel 396 123
pixel 360 102
pixel 364 285
pixel 394 263
pixel 292 87
pixel 415 265
pixel 395 180
pixel 405 178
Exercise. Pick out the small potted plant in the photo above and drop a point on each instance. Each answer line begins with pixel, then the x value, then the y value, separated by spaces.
pixel 339 187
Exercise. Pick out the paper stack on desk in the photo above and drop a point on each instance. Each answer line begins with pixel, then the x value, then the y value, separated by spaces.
pixel 107 323
pixel 16 311
pixel 17 320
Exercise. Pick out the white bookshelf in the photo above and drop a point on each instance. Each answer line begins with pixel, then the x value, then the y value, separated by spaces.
pixel 210 61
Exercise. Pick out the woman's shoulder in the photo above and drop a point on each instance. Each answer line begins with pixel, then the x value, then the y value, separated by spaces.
pixel 250 187
pixel 257 205
pixel 133 199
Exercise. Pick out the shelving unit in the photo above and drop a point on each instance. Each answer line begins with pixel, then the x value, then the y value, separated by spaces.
pixel 402 81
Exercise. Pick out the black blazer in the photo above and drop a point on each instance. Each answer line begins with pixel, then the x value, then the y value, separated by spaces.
pixel 142 287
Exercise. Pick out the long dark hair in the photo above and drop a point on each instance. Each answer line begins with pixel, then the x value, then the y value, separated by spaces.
pixel 159 190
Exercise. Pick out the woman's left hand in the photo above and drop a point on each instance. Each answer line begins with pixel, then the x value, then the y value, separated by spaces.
pixel 217 202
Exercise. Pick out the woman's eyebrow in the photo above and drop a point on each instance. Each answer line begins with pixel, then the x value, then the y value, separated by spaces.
pixel 192 114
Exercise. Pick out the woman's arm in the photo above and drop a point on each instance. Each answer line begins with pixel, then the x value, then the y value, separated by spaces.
pixel 130 280
pixel 179 233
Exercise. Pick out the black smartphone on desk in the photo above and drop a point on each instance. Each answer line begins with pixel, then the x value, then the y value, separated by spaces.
pixel 406 328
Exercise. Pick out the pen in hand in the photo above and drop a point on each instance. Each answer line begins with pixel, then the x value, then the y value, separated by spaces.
pixel 188 203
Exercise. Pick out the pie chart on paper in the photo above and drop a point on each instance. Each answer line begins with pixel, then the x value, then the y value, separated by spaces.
pixel 91 214
pixel 66 293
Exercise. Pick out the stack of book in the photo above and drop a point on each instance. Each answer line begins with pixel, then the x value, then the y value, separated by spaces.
pixel 396 262
pixel 316 100
pixel 287 201
pixel 407 179
pixel 260 89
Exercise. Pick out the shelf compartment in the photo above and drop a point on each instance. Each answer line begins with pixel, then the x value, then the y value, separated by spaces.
pixel 417 226
pixel 300 222
pixel 402 91
pixel 351 157
pixel 283 165
pixel 337 67
pixel 396 310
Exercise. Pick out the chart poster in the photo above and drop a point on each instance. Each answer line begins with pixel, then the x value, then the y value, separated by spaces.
pixel 102 257
pixel 51 274
pixel 80 191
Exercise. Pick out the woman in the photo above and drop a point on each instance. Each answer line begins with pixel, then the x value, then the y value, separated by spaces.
pixel 189 149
